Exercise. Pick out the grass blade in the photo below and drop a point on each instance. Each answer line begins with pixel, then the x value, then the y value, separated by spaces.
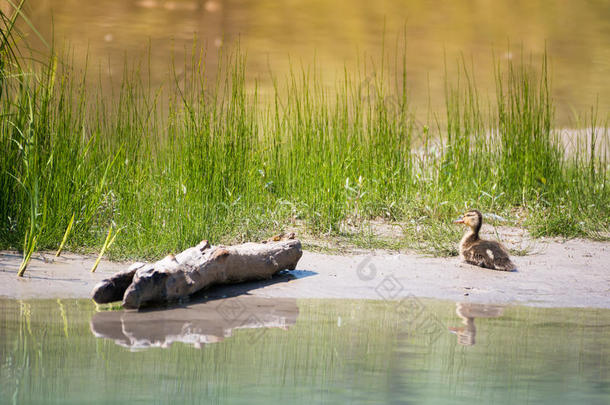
pixel 27 256
pixel 107 243
pixel 65 238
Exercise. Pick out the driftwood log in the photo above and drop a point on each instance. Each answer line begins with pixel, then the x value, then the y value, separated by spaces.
pixel 197 268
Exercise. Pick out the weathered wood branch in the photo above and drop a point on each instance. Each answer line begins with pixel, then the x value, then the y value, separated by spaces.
pixel 197 268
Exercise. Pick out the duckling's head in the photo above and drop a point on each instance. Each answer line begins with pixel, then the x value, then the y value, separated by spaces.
pixel 472 218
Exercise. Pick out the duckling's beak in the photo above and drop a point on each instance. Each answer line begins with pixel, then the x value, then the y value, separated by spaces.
pixel 460 220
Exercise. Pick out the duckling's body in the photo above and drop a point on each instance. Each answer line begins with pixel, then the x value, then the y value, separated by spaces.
pixel 485 253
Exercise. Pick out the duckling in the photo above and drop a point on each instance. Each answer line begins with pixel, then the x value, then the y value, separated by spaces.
pixel 485 253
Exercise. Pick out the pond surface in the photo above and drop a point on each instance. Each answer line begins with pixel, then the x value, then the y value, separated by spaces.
pixel 257 350
pixel 338 34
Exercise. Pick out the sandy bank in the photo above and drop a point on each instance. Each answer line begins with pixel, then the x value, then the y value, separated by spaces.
pixel 574 273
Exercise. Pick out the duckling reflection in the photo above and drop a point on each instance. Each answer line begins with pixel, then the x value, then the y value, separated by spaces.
pixel 197 324
pixel 468 312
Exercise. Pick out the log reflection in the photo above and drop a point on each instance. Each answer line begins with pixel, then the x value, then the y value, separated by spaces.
pixel 197 324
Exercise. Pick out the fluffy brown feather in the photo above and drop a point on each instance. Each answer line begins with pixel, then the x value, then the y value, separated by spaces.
pixel 485 253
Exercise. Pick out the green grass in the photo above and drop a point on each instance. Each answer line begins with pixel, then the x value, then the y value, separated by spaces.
pixel 206 157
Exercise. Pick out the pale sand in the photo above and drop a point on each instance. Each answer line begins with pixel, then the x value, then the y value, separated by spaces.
pixel 574 273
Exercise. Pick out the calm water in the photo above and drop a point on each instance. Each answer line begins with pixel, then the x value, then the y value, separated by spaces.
pixel 254 350
pixel 335 34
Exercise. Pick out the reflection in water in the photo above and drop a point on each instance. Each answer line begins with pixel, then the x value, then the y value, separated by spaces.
pixel 468 312
pixel 339 351
pixel 197 324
